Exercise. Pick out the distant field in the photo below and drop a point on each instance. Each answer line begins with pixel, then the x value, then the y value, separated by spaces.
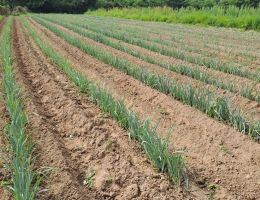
pixel 244 18
pixel 123 109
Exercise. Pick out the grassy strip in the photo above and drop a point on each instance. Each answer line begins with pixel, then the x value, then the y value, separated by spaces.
pixel 181 69
pixel 245 18
pixel 155 148
pixel 24 180
pixel 200 99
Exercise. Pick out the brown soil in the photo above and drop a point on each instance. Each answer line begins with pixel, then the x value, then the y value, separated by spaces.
pixel 217 154
pixel 74 138
pixel 251 109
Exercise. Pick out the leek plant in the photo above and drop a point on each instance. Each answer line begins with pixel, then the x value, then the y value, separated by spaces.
pixel 25 182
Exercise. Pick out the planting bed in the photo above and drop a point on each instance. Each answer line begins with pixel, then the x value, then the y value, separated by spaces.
pixel 87 91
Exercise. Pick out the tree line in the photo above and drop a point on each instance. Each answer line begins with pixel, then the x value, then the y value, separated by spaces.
pixel 80 6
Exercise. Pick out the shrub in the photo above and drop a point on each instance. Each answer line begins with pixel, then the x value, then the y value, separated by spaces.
pixel 19 10
pixel 4 10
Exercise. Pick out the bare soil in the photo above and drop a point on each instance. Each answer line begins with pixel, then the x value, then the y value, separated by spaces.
pixel 217 156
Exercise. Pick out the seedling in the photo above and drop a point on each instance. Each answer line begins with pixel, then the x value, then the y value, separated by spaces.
pixel 89 179
pixel 212 191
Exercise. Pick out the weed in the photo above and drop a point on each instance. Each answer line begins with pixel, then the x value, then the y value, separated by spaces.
pixel 212 190
pixel 89 179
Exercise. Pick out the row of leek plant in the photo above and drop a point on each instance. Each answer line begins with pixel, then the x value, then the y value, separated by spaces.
pixel 25 182
pixel 176 35
pixel 207 62
pixel 156 148
pixel 203 100
pixel 144 34
pixel 192 72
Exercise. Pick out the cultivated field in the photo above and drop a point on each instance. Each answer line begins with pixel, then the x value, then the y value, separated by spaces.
pixel 105 108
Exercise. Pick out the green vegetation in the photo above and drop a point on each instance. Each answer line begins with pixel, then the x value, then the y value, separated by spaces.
pixel 176 3
pixel 203 100
pixel 245 18
pixel 24 183
pixel 89 179
pixel 155 148
pixel 181 69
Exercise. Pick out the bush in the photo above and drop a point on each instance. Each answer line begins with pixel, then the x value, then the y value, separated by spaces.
pixel 19 10
pixel 4 10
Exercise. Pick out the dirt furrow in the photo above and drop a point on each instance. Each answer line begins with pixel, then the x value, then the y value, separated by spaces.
pixel 219 155
pixel 77 140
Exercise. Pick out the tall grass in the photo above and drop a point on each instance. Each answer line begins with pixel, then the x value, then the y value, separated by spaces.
pixel 203 100
pixel 156 148
pixel 20 164
pixel 245 18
